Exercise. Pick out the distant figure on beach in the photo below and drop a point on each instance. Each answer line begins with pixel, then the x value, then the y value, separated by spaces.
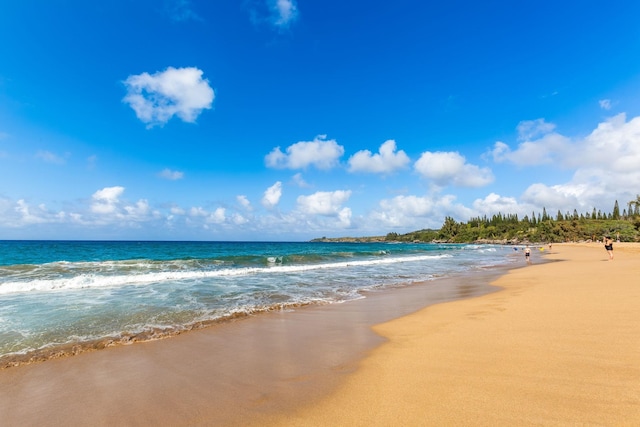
pixel 608 245
pixel 527 254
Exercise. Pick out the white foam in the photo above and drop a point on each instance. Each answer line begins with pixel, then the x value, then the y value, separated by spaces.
pixel 92 280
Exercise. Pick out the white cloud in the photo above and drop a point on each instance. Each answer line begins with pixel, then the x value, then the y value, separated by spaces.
pixel 540 145
pixel 238 219
pixel 606 165
pixel 416 212
pixel 139 210
pixel 106 200
pixel 326 203
pixel 218 216
pixel 244 202
pixel 321 153
pixel 387 160
pixel 198 211
pixel 272 195
pixel 450 168
pixel 157 97
pixel 551 148
pixel 530 129
pixel 299 181
pixel 324 210
pixel 49 157
pixel 285 12
pixel 171 175
pixel 176 210
pixel 494 203
pixel 605 104
pixel 613 146
pixel 27 215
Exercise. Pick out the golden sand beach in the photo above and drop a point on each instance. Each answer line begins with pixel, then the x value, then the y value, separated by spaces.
pixel 559 344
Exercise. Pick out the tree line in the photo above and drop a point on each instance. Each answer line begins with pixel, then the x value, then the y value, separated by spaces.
pixel 539 227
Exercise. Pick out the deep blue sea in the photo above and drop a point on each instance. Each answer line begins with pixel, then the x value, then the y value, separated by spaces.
pixel 56 294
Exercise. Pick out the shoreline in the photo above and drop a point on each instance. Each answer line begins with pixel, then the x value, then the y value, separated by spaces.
pixel 503 347
pixel 558 345
pixel 227 374
pixel 72 349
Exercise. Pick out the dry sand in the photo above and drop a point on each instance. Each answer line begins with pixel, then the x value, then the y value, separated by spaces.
pixel 560 345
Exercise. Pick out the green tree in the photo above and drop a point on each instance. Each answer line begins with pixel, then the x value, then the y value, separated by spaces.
pixel 449 229
pixel 616 211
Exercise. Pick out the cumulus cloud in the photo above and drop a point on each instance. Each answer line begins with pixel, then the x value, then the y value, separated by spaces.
pixel 413 212
pixel 272 195
pixel 105 201
pixel 614 146
pixel 327 203
pixel 218 216
pixel 539 145
pixel 321 153
pixel 451 168
pixel 171 175
pixel 387 159
pixel 606 165
pixel 494 203
pixel 157 97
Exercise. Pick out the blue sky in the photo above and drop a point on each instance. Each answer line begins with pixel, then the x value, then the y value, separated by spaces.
pixel 291 119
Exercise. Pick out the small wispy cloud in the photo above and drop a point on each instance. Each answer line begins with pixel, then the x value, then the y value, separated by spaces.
pixel 181 11
pixel 91 162
pixel 285 12
pixel 49 157
pixel 171 175
pixel 605 104
pixel 279 14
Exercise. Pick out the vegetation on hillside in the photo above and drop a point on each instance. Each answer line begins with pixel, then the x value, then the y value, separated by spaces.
pixel 541 227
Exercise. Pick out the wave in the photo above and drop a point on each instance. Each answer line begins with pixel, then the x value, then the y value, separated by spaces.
pixel 69 276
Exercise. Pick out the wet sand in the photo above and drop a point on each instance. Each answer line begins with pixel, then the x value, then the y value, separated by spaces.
pixel 234 374
pixel 558 346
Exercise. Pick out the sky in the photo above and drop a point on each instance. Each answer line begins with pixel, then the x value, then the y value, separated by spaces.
pixel 287 120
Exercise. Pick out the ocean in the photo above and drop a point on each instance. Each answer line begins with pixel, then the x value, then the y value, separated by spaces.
pixel 63 297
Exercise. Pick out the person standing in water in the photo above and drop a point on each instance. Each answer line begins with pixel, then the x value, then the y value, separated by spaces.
pixel 608 245
pixel 527 254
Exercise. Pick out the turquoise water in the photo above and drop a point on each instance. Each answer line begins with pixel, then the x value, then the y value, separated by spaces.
pixel 56 293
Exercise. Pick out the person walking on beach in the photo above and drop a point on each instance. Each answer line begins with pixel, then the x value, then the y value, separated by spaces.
pixel 608 245
pixel 527 254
